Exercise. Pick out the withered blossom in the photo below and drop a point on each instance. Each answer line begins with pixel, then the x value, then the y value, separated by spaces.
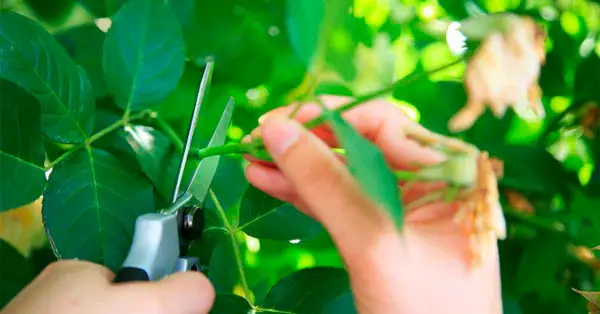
pixel 481 213
pixel 590 119
pixel 519 202
pixel 22 227
pixel 504 73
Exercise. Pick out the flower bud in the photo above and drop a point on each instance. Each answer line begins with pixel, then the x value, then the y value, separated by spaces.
pixel 459 170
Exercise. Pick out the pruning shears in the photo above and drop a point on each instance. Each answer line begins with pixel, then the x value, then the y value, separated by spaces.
pixel 160 238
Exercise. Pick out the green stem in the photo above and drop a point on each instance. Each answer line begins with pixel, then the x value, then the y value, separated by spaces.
pixel 117 124
pixel 169 132
pixel 361 99
pixel 405 175
pixel 236 250
pixel 232 148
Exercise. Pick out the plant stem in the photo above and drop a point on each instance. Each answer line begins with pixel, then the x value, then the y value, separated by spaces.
pixel 361 99
pixel 117 124
pixel 232 148
pixel 406 175
pixel 169 132
pixel 236 250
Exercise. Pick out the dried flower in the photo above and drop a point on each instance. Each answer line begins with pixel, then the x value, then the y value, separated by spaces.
pixel 519 202
pixel 481 212
pixel 503 73
pixel 22 227
pixel 590 119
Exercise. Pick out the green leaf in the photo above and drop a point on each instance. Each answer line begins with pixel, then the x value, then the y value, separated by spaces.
pixel 511 306
pixel 461 9
pixel 263 216
pixel 310 290
pixel 342 304
pixel 584 219
pixel 223 269
pixel 15 271
pixel 102 8
pixel 31 58
pixel 229 185
pixel 115 142
pixel 283 223
pixel 84 44
pixel 541 261
pixel 180 102
pixel 368 165
pixel 235 34
pixel 304 20
pixel 230 304
pixel 90 207
pixel 22 178
pixel 586 78
pixel 52 12
pixel 153 151
pixel 183 9
pixel 143 54
pixel 204 247
pixel 210 114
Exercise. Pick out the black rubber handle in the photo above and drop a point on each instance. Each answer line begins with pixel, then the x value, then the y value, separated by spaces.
pixel 128 274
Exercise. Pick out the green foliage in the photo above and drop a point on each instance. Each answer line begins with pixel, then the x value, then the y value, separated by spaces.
pixel 304 20
pixel 143 54
pixel 94 121
pixel 259 212
pixel 21 150
pixel 16 272
pixel 33 59
pixel 93 195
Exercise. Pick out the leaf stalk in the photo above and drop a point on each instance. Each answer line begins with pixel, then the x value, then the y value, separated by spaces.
pixel 117 124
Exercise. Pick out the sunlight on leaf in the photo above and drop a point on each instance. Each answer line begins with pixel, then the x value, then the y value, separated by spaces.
pixel 304 21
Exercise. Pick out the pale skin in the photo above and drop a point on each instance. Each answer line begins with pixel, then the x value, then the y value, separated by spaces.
pixel 424 269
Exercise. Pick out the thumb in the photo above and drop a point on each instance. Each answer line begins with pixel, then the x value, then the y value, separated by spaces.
pixel 180 293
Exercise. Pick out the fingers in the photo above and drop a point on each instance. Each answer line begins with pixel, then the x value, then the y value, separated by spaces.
pixel 180 293
pixel 377 120
pixel 71 267
pixel 326 187
pixel 271 181
pixel 65 286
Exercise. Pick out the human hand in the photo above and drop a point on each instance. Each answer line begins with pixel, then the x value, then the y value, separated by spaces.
pixel 427 269
pixel 71 286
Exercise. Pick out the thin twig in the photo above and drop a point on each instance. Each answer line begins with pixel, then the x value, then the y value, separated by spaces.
pixel 361 99
pixel 236 250
pixel 117 124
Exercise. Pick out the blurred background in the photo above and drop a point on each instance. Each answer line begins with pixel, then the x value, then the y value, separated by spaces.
pixel 551 185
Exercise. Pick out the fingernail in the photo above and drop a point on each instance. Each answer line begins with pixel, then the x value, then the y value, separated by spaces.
pixel 279 134
pixel 246 139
